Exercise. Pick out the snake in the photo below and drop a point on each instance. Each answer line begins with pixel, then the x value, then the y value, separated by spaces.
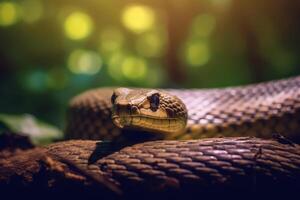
pixel 173 143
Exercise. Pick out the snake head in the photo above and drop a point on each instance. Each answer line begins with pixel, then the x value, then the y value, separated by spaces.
pixel 148 109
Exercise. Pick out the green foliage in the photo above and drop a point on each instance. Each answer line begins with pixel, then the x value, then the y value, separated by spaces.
pixel 39 132
pixel 52 50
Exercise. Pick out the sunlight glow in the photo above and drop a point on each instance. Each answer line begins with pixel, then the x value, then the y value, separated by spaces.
pixel 122 67
pixel 197 54
pixel 150 45
pixel 138 18
pixel 8 13
pixel 84 62
pixel 134 68
pixel 78 25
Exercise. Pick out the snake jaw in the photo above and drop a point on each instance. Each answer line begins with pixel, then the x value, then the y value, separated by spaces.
pixel 122 121
pixel 148 123
pixel 117 121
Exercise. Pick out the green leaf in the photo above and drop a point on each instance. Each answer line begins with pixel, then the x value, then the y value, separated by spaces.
pixel 39 132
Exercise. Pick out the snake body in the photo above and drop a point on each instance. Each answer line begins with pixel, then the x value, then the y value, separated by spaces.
pixel 177 168
pixel 188 169
pixel 254 110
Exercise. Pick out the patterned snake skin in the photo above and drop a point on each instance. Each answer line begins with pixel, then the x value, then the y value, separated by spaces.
pixel 255 110
pixel 177 168
pixel 245 164
pixel 159 169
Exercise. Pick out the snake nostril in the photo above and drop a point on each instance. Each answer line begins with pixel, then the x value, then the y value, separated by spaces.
pixel 122 107
pixel 134 109
pixel 119 107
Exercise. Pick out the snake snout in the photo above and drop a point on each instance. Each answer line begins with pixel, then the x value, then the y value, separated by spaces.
pixel 122 112
pixel 122 107
pixel 126 109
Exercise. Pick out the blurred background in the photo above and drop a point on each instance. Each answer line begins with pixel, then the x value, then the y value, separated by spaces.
pixel 51 50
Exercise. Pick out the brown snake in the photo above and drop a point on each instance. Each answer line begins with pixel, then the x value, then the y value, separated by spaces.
pixel 255 110
pixel 176 168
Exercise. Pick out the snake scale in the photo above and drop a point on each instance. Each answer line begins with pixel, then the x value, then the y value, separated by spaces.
pixel 226 146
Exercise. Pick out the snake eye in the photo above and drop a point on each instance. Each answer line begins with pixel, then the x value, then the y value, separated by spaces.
pixel 154 102
pixel 113 98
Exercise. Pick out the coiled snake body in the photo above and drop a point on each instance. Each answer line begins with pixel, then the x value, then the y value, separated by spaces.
pixel 255 110
pixel 191 165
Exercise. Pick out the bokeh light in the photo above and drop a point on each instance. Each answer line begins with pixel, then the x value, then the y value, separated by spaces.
pixel 114 65
pixel 203 25
pixel 57 78
pixel 32 10
pixel 197 53
pixel 111 40
pixel 36 81
pixel 57 49
pixel 134 68
pixel 127 67
pixel 9 13
pixel 138 18
pixel 82 61
pixel 150 44
pixel 78 25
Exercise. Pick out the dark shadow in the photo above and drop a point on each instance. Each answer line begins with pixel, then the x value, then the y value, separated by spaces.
pixel 12 141
pixel 129 138
pixel 102 149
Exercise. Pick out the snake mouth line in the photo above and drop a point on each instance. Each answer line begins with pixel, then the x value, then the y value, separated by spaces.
pixel 150 123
